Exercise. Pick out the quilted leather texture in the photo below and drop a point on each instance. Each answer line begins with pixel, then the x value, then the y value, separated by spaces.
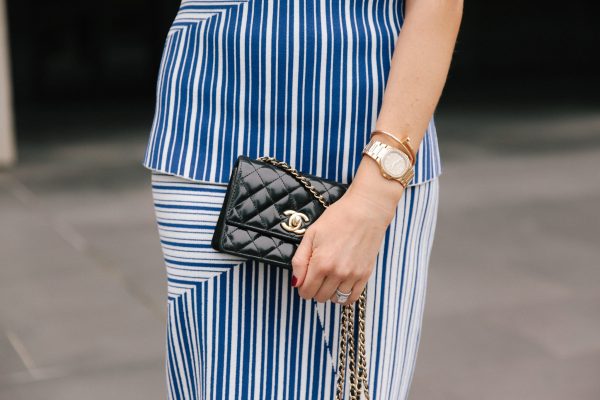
pixel 258 193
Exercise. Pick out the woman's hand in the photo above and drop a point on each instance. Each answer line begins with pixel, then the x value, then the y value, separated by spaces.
pixel 339 250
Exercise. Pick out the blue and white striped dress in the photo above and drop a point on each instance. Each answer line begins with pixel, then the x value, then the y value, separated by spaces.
pixel 300 80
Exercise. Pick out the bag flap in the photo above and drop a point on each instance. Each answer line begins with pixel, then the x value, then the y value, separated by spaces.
pixel 264 196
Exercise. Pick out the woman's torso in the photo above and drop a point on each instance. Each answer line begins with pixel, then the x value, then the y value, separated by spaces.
pixel 298 80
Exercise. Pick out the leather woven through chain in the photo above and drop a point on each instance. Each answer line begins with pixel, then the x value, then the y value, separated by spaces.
pixel 358 370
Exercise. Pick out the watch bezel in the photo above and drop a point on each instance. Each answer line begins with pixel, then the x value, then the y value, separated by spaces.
pixel 403 155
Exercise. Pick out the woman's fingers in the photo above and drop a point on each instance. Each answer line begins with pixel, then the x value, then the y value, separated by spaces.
pixel 301 258
pixel 358 288
pixel 315 274
pixel 327 289
pixel 335 252
pixel 344 287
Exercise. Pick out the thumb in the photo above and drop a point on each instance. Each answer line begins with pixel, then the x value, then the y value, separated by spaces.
pixel 301 258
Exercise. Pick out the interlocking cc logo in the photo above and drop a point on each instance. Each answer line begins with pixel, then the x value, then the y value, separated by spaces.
pixel 294 222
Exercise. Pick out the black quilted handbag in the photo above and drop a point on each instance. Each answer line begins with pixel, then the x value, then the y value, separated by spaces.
pixel 267 208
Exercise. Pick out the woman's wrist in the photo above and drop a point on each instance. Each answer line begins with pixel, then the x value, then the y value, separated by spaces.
pixel 373 188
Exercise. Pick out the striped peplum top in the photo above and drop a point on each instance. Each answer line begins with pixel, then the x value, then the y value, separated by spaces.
pixel 300 80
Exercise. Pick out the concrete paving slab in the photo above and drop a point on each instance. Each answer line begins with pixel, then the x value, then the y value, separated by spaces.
pixel 68 314
pixel 468 357
pixel 566 329
pixel 128 381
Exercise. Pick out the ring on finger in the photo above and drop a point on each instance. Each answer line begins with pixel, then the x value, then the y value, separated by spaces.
pixel 341 296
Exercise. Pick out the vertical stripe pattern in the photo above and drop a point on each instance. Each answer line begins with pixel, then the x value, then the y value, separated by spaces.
pixel 301 80
pixel 238 330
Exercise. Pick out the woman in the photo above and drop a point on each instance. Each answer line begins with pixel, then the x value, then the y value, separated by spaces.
pixel 302 81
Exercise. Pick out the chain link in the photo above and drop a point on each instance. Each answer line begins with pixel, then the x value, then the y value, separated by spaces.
pixel 298 176
pixel 363 380
pixel 359 380
pixel 358 371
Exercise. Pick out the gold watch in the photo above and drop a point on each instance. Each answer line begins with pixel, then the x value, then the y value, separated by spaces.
pixel 393 163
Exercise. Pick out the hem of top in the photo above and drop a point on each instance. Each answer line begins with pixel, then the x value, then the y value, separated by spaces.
pixel 165 172
pixel 187 178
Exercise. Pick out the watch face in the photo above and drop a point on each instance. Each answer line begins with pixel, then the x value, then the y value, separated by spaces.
pixel 395 163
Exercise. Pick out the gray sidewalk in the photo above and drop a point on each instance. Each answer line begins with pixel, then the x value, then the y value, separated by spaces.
pixel 513 305
pixel 81 280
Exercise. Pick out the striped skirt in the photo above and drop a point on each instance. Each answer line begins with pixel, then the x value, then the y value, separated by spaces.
pixel 236 329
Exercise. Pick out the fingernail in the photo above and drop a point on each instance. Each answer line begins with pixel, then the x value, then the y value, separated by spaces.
pixel 294 280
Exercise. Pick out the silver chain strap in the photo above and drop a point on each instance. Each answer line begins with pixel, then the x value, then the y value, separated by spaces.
pixel 358 371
